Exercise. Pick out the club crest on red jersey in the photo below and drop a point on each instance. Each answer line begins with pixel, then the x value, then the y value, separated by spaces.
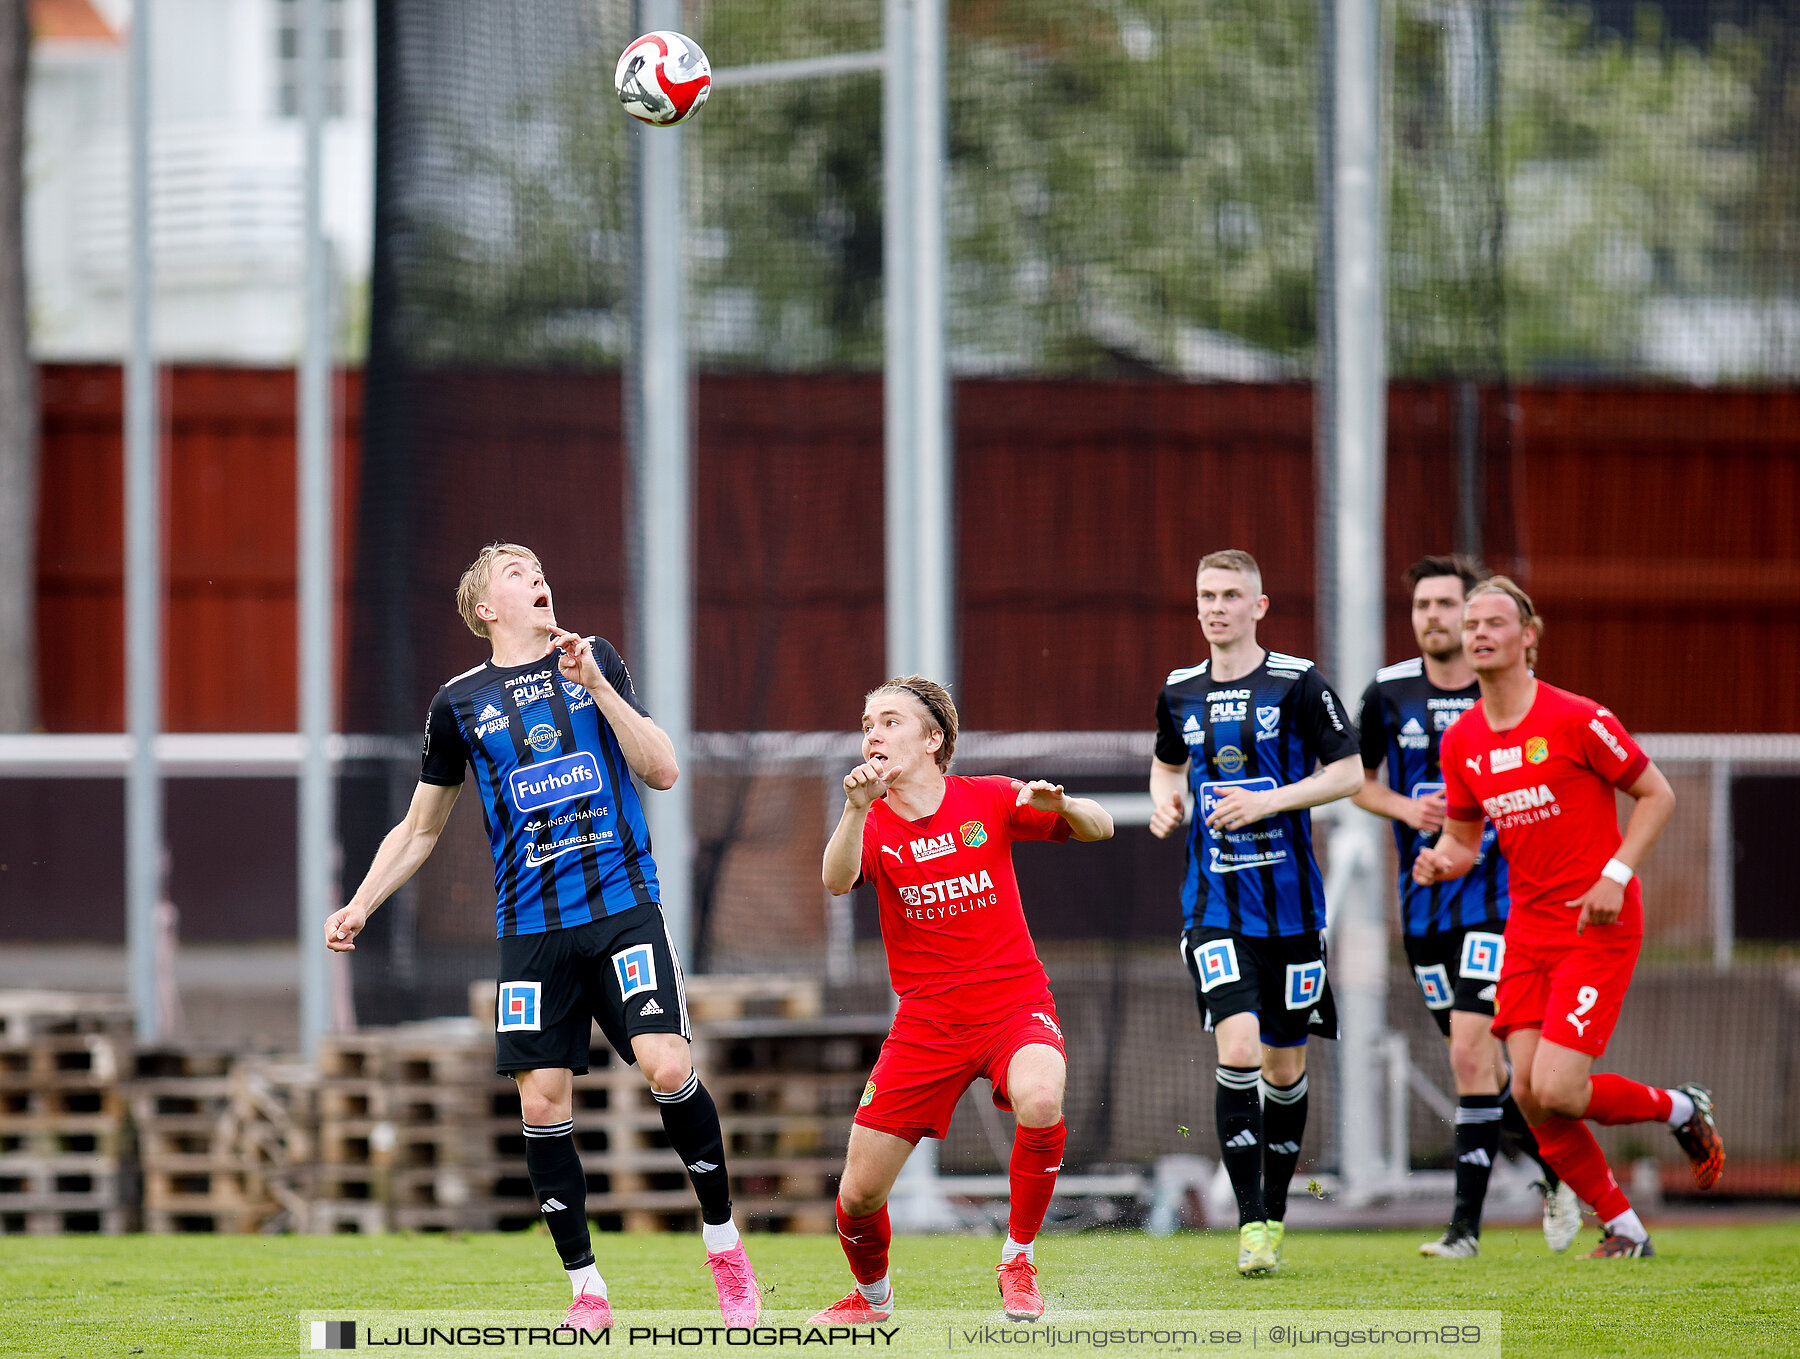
pixel 1537 750
pixel 974 834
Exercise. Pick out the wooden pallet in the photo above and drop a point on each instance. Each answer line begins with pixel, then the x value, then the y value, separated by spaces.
pixel 59 1222
pixel 29 1015
pixel 59 1184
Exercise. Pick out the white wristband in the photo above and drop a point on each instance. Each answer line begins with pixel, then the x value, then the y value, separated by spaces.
pixel 1618 872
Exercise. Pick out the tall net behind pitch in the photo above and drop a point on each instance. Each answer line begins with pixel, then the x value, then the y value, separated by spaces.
pixel 1593 319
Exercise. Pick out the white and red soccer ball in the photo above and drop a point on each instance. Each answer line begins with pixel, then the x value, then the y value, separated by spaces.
pixel 663 78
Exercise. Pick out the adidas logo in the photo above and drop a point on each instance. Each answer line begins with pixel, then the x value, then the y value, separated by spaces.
pixel 1314 1018
pixel 1242 1141
pixel 1478 1157
pixel 1412 728
pixel 1487 992
pixel 702 1167
pixel 552 1206
pixel 651 1007
pixel 1285 1148
pixel 1192 724
pixel 488 714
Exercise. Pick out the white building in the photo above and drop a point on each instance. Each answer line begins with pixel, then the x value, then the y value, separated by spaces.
pixel 226 186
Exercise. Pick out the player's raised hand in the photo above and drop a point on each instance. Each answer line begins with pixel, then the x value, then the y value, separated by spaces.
pixel 1039 793
pixel 1599 905
pixel 1427 813
pixel 1431 865
pixel 1167 817
pixel 576 660
pixel 868 783
pixel 342 927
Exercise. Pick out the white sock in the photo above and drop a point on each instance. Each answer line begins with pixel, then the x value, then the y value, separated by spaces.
pixel 719 1237
pixel 587 1280
pixel 878 1293
pixel 1626 1224
pixel 1682 1107
pixel 1012 1250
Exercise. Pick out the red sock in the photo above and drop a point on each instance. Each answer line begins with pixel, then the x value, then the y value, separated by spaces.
pixel 1576 1156
pixel 1619 1100
pixel 1036 1157
pixel 865 1242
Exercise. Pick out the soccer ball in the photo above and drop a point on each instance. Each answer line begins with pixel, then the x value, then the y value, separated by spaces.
pixel 663 78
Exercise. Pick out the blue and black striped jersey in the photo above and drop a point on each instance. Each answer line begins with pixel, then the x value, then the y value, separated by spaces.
pixel 1404 715
pixel 563 816
pixel 1263 731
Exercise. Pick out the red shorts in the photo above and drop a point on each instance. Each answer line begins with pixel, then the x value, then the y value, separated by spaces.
pixel 1570 988
pixel 925 1066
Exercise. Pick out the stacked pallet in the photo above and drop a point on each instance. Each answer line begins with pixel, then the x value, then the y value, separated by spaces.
pixel 270 1131
pixel 63 1137
pixel 194 1179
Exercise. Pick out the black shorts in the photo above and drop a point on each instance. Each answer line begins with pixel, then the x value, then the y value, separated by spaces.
pixel 1281 980
pixel 1457 970
pixel 620 971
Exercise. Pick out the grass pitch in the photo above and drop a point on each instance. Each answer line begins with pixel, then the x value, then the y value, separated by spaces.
pixel 1731 1290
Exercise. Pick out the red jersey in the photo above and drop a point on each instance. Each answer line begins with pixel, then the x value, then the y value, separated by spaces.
pixel 1547 785
pixel 958 948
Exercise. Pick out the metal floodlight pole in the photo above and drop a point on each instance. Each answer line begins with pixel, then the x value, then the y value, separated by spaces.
pixel 898 268
pixel 316 840
pixel 933 526
pixel 920 575
pixel 661 452
pixel 1358 405
pixel 143 565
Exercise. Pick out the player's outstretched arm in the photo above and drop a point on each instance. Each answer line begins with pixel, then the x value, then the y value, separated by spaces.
pixel 402 850
pixel 1421 813
pixel 1452 856
pixel 1168 795
pixel 1088 820
pixel 864 786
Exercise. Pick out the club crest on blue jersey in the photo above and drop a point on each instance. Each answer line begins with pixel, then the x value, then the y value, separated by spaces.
pixel 1305 983
pixel 1483 955
pixel 518 1006
pixel 1434 981
pixel 1217 961
pixel 1268 723
pixel 637 970
pixel 544 785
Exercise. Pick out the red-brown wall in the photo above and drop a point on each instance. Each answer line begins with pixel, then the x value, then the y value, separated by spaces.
pixel 228 546
pixel 1659 530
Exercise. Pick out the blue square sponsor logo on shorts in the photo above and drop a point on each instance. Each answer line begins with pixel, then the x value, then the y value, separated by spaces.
pixel 636 967
pixel 519 1007
pixel 1482 955
pixel 1434 981
pixel 1305 984
pixel 1217 960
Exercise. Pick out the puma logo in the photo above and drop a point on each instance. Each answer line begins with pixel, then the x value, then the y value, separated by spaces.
pixel 1474 762
pixel 889 849
pixel 1580 1024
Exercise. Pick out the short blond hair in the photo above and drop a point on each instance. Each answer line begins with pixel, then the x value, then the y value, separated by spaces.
pixel 1232 559
pixel 1528 614
pixel 473 586
pixel 940 710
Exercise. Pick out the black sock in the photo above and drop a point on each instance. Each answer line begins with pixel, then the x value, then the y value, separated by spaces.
pixel 1477 1143
pixel 1512 1120
pixel 692 1123
pixel 1284 1124
pixel 561 1188
pixel 1240 1119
